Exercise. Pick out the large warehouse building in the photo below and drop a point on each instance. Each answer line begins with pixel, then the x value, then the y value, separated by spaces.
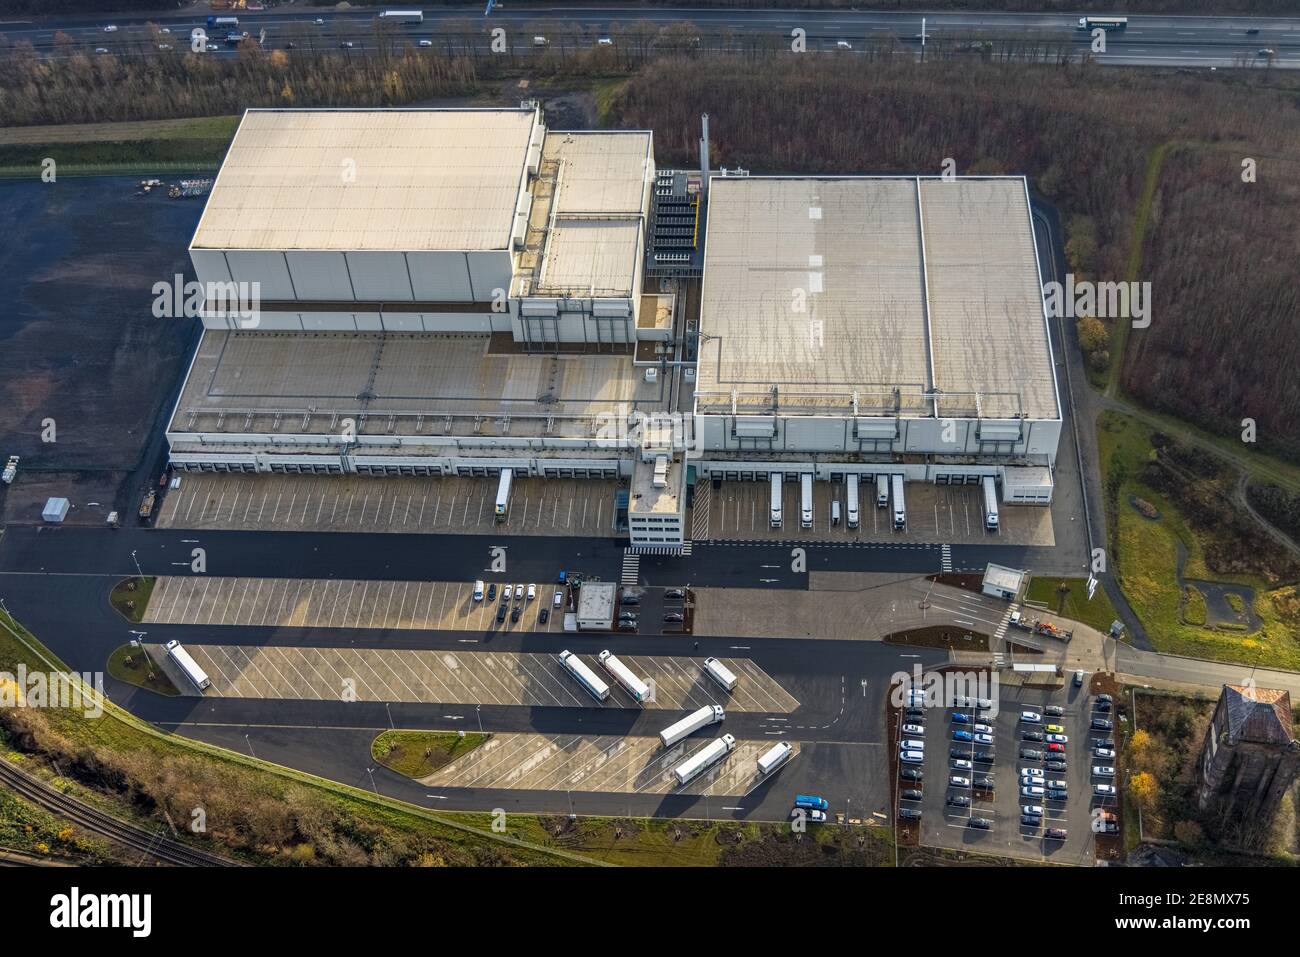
pixel 458 292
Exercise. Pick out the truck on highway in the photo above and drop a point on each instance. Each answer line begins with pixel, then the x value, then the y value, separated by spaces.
pixel 11 470
pixel 586 677
pixel 189 667
pixel 720 673
pixel 775 516
pixel 854 514
pixel 900 507
pixel 703 759
pixel 772 759
pixel 633 685
pixel 709 714
pixel 403 16
pixel 1104 23
pixel 504 487
pixel 805 500
pixel 990 502
pixel 223 23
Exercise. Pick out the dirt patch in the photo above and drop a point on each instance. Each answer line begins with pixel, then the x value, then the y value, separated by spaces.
pixel 940 636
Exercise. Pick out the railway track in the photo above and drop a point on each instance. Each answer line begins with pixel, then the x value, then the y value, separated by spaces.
pixel 153 845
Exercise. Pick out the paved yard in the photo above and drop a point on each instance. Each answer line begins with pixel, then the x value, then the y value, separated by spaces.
pixel 564 762
pixel 468 677
pixel 355 503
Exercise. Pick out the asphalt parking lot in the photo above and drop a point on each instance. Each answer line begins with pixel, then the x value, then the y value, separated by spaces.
pixel 468 677
pixel 950 514
pixel 626 765
pixel 355 503
pixel 947 824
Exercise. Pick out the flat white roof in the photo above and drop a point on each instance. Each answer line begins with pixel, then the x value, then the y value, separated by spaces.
pixel 820 289
pixel 383 180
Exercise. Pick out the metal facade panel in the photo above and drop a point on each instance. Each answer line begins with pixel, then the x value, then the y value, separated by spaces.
pixel 320 277
pixel 380 277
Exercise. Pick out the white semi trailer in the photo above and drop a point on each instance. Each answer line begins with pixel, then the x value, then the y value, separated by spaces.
pixel 990 503
pixel 182 660
pixel 854 514
pixel 504 487
pixel 705 758
pixel 709 714
pixel 900 507
pixel 633 685
pixel 776 756
pixel 805 500
pixel 586 677
pixel 775 516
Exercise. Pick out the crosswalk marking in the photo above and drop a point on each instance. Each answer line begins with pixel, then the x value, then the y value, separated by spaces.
pixel 631 567
pixel 947 559
pixel 700 510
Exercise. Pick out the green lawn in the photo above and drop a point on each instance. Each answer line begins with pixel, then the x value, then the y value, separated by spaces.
pixel 132 665
pixel 131 597
pixel 1146 567
pixel 1074 603
pixel 418 754
pixel 101 148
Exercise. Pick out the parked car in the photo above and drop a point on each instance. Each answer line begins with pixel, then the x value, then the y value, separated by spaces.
pixel 983 739
pixel 980 823
pixel 675 593
pixel 1103 752
pixel 1056 747
pixel 630 598
pixel 910 813
pixel 627 626
pixel 983 781
pixel 911 794
pixel 1103 790
pixel 674 616
pixel 532 592
pixel 1031 772
pixel 915 713
pixel 911 744
pixel 962 736
pixel 1031 717
pixel 1031 791
pixel 983 757
pixel 912 757
pixel 519 592
pixel 1056 766
pixel 1029 754
pixel 1103 743
pixel 983 729
pixel 812 817
pixel 957 781
pixel 962 765
pixel 1056 794
pixel 1106 698
pixel 544 615
pixel 1103 771
pixel 1102 724
pixel 1054 729
pixel 1055 833
pixel 1031 735
pixel 1078 679
pixel 1058 738
pixel 627 616
pixel 1055 710
pixel 911 774
pixel 962 753
pixel 1034 810
pixel 958 800
pixel 959 717
pixel 1056 784
pixel 1028 820
pixel 913 729
pixel 492 592
pixel 558 600
pixel 501 613
pixel 1102 706
pixel 515 612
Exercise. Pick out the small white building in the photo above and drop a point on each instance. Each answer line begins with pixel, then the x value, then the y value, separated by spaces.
pixel 56 510
pixel 596 606
pixel 1002 582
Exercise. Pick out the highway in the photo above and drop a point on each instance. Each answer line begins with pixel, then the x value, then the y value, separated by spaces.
pixel 1148 41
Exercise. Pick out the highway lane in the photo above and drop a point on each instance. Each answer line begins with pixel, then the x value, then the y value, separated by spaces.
pixel 1148 41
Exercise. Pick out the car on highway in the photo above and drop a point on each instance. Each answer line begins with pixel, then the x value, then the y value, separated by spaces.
pixel 910 813
pixel 910 794
pixel 164 30
pixel 346 44
pixel 812 817
pixel 959 717
pixel 164 46
pixel 674 616
pixel 1103 790
pixel 544 615
pixel 1252 31
pixel 101 49
pixel 980 823
pixel 1029 754
pixel 962 766
pixel 1031 717
pixel 1267 52
pixel 1103 771
pixel 958 781
pixel 1031 735
pixel 1053 729
pixel 958 800
pixel 213 47
pixel 911 744
pixel 1056 833
pixel 318 22
pixel 983 738
pixel 912 774
pixel 1031 790
pixel 843 45
pixel 1054 710
pixel 1103 752
pixel 1056 794
pixel 1056 766
pixel 110 29
pixel 962 736
pixel 426 43
pixel 605 42
pixel 1056 737
pixel 913 729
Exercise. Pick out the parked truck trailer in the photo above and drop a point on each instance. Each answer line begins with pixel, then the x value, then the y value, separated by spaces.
pixel 703 759
pixel 709 714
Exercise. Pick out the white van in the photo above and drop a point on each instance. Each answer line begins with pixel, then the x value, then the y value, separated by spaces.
pixel 478 590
